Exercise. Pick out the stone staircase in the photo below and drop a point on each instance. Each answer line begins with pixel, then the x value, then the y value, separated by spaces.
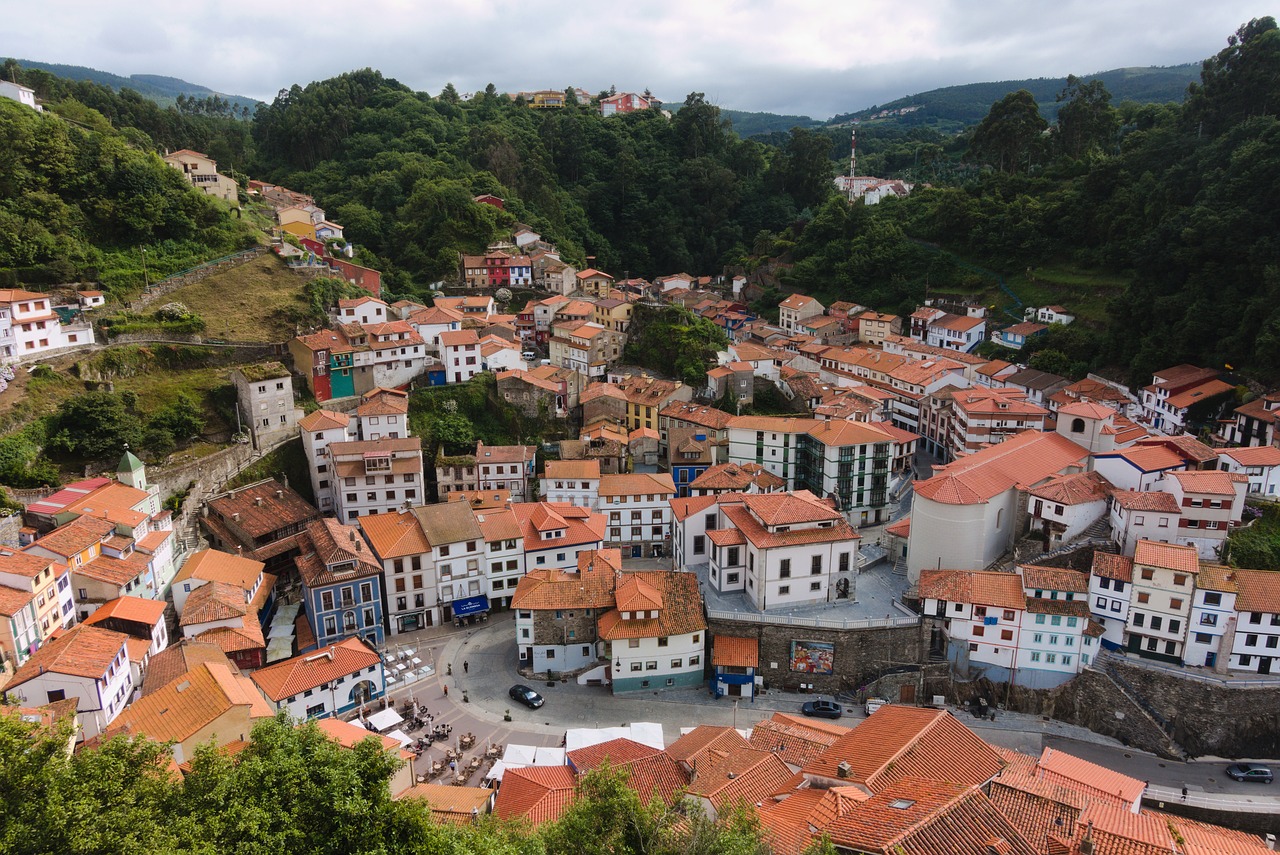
pixel 1106 664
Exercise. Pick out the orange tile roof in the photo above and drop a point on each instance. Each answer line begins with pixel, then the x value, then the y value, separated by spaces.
pixel 1209 482
pixel 394 535
pixel 560 589
pixel 114 571
pixel 705 738
pixel 737 477
pixel 1144 500
pixel 14 600
pixel 328 544
pixel 1026 459
pixel 742 774
pixel 1074 489
pixel 536 793
pixel 25 564
pixel 612 751
pixel 680 612
pixel 498 525
pixel 1259 591
pixel 283 680
pixel 1110 566
pixel 735 652
pixel 214 566
pixel 1260 455
pixel 187 705
pixel 214 601
pixel 76 536
pixel 1094 779
pixel 135 609
pixel 1117 829
pixel 177 659
pixel 324 420
pixel 637 484
pixel 682 509
pixel 82 651
pixel 795 742
pixel 1200 838
pixel 572 470
pixel 897 741
pixel 453 805
pixel 978 587
pixel 1149 458
pixel 1054 579
pixel 637 594
pixel 1168 556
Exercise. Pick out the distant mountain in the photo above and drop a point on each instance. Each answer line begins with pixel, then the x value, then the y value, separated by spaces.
pixel 958 106
pixel 747 124
pixel 162 90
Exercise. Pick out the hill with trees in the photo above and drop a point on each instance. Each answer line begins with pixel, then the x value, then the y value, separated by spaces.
pixel 165 91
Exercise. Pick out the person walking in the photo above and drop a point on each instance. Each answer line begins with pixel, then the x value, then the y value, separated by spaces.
pixel 446 691
pixel 1184 792
pixel 466 667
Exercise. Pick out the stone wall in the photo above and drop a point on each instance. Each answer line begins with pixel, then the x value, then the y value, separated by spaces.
pixel 10 524
pixel 1258 823
pixel 861 655
pixel 167 286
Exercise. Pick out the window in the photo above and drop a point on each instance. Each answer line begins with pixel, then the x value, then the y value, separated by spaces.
pixel 815 566
pixel 1179 579
pixel 1139 619
pixel 663 642
pixel 651 665
pixel 1156 621
pixel 1006 635
pixel 1212 598
pixel 732 578
pixel 677 663
pixel 636 666
pixel 815 586
pixel 1175 603
pixel 979 630
pixel 1008 614
pixel 783 590
pixel 1203 638
pixel 1148 574
pixel 1144 597
pixel 699 544
pixel 1039 618
pixel 784 569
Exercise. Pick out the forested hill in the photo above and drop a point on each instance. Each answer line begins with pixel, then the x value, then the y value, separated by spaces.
pixel 163 90
pixel 965 105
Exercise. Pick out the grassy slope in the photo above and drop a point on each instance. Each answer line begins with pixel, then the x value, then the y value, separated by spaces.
pixel 246 303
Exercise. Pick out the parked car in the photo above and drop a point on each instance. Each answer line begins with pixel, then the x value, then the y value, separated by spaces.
pixel 526 696
pixel 1250 772
pixel 822 709
pixel 874 704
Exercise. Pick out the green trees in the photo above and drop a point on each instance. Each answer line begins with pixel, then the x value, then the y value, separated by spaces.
pixel 1087 121
pixel 672 339
pixel 1009 137
pixel 1239 82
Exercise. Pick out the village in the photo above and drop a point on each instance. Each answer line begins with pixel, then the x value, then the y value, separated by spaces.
pixel 921 526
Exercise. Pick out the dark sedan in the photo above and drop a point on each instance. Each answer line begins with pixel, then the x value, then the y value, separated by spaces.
pixel 1250 772
pixel 526 696
pixel 822 709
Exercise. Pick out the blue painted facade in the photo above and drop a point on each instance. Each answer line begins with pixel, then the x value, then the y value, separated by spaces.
pixel 345 609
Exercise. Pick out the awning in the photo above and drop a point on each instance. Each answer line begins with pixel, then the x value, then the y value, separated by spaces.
pixel 470 606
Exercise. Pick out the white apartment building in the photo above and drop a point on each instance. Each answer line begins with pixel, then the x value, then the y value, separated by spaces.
pixel 460 355
pixel 361 310
pixel 31 327
pixel 433 321
pixel 506 467
pixel 1063 507
pixel 1260 464
pixel 555 535
pixel 87 663
pixel 1137 516
pixel 409 579
pixel 1213 615
pixel 638 509
pixel 382 414
pixel 393 351
pixel 795 310
pixel 320 430
pixel 1164 578
pixel 503 552
pixel 1110 587
pixel 780 549
pixel 573 482
pixel 458 551
pixel 1257 632
pixel 1212 504
pixel 375 476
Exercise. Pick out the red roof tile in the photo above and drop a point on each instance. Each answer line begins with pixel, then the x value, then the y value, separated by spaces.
pixel 536 793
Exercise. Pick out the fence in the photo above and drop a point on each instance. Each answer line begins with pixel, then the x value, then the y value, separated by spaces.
pixel 816 623
pixel 1220 681
pixel 193 274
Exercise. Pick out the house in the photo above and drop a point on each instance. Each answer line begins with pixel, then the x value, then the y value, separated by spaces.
pixel 506 467
pixel 736 478
pixel 264 395
pixel 361 310
pixel 377 475
pixel 1257 622
pixel 362 277
pixel 211 703
pixel 201 172
pixel 638 511
pixel 965 515
pixel 490 199
pixel 336 679
pixel 103 564
pixel 734 381
pixel 29 327
pixel 648 396
pixel 690 452
pixel 431 322
pixel 1017 335
pixel 535 794
pixel 1039 386
pixel 320 430
pixel 210 565
pixel 1212 504
pixel 655 634
pixel 460 355
pixel 458 556
pixel 382 413
pixel 873 327
pixel 1260 464
pixel 19 628
pixel 341 584
pixel 400 545
pixel 498 354
pixel 1255 422
pixel 795 310
pixel 1110 588
pixel 232 617
pixel 45 582
pixel 1164 579
pixel 627 102
pixel 572 482
pixel 594 283
pixel 1052 315
pixel 555 535
pixel 24 95
pixel 1167 402
pixel 88 663
pixel 584 347
pixel 736 662
pixel 1064 507
pixel 557 612
pixel 91 299
pixel 137 618
pixel 956 332
pixel 504 551
pixel 1137 515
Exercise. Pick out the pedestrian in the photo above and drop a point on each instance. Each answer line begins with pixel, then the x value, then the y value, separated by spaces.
pixel 453 765
pixel 446 691
pixel 1184 793
pixel 466 667
pixel 475 815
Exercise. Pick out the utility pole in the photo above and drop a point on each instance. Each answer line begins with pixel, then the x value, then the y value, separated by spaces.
pixel 146 278
pixel 853 160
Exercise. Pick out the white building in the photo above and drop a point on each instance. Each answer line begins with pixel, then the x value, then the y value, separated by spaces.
pixel 433 321
pixel 656 635
pixel 957 332
pixel 458 553
pixel 555 534
pixel 382 414
pixel 1052 315
pixel 22 94
pixel 557 611
pixel 1164 579
pixel 1213 615
pixel 1063 507
pixel 320 430
pixel 1147 515
pixel 503 552
pixel 573 482
pixel 31 327
pixel 1260 464
pixel 1212 504
pixel 1257 630
pixel 780 549
pixel 409 579
pixel 506 467
pixel 460 355
pixel 87 663
pixel 1110 586
pixel 264 393
pixel 323 683
pixel 375 476
pixel 361 310
pixel 639 512
pixel 795 310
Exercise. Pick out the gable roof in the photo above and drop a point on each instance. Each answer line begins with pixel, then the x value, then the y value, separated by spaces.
pixel 186 705
pixel 536 793
pixel 282 680
pixel 981 587
pixel 210 565
pixel 735 652
pixel 1169 556
pixel 82 651
pixel 1026 459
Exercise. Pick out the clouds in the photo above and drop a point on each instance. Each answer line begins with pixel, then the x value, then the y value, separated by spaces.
pixel 815 57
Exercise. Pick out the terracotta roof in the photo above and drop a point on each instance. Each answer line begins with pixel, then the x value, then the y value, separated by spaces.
pixel 743 774
pixel 328 545
pixel 918 816
pixel 612 751
pixel 737 477
pixel 1260 455
pixel 24 564
pixel 1149 458
pixel 1209 482
pixel 283 680
pixel 448 522
pixel 190 703
pixel 324 420
pixel 383 402
pixel 82 651
pixel 697 414
pixel 214 601
pixel 560 589
pixel 214 566
pixel 703 739
pixel 76 536
pixel 394 535
pixel 449 804
pixel 1110 566
pixel 580 525
pixel 637 594
pixel 536 793
pixel 233 639
pixel 1199 838
pixel 735 652
pixel 1169 556
pixel 682 509
pixel 795 742
pixel 1037 807
pixel 14 600
pixel 179 658
pixel 263 508
pixel 797 301
pixel 790 508
pixel 978 587
pixel 1054 579
pixel 1259 591
pixel 1145 500
pixel 637 484
pixel 656 776
pixel 1196 394
pixel 774 424
pixel 902 528
pixel 726 537
pixel 898 741
pixel 1026 459
pixel 114 571
pixel 790 823
pixel 741 518
pixel 679 614
pixel 498 524
pixel 1074 489
pixel 572 470
pixel 135 609
pixel 1067 768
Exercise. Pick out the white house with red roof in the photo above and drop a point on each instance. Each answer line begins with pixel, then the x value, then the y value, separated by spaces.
pixel 1063 507
pixel 460 355
pixel 326 682
pixel 957 332
pixel 1212 504
pixel 1110 587
pixel 1167 401
pixel 361 310
pixel 88 663
pixel 29 326
pixel 1143 515
pixel 1257 629
pixel 795 310
pixel 1260 464
pixel 1164 581
pixel 321 429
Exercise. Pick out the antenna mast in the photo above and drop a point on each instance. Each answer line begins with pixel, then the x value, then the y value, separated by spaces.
pixel 853 160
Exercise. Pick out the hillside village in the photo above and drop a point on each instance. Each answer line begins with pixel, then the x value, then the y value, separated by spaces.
pixel 850 503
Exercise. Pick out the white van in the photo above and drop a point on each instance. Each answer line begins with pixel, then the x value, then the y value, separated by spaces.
pixel 529 356
pixel 874 704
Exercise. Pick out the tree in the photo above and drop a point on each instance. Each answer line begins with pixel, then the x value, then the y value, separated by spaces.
pixel 1086 122
pixel 1239 82
pixel 95 426
pixel 1009 137
pixel 181 417
pixel 449 94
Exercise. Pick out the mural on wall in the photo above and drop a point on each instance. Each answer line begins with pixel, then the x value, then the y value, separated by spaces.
pixel 813 657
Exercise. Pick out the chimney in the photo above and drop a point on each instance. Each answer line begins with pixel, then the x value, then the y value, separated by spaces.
pixel 1086 845
pixel 257 501
pixel 279 494
pixel 235 517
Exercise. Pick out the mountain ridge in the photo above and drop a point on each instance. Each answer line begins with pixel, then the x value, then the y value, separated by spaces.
pixel 162 89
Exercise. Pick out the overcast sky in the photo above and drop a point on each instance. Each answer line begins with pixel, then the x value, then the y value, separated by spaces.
pixel 811 57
